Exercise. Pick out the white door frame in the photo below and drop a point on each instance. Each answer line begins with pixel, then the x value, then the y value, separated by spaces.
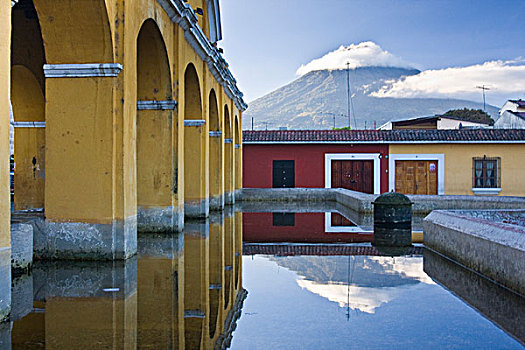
pixel 439 157
pixel 328 157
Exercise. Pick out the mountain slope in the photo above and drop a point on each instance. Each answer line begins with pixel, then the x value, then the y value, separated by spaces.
pixel 312 101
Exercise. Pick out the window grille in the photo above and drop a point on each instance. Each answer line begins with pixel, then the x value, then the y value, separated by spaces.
pixel 486 172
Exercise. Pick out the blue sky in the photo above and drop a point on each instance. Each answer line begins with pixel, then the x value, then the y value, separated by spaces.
pixel 265 42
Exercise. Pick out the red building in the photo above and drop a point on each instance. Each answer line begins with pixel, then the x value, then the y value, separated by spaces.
pixel 356 160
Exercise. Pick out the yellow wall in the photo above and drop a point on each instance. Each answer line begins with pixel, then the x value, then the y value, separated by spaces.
pixel 458 164
pixel 96 141
pixel 5 77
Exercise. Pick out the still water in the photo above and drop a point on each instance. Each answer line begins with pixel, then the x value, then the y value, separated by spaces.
pixel 306 281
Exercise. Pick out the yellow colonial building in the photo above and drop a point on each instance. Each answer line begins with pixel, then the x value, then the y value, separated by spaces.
pixel 126 118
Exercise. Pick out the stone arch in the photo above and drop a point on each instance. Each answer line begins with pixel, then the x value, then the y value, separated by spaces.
pixel 196 201
pixel 216 173
pixel 228 158
pixel 75 31
pixel 156 151
pixel 27 133
pixel 28 107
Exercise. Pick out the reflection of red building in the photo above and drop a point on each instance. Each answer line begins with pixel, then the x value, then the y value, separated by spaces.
pixel 297 228
pixel 359 165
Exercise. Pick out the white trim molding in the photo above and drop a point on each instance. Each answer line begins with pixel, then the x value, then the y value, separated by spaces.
pixel 28 124
pixel 156 105
pixel 328 157
pixel 194 122
pixel 228 140
pixel 215 133
pixel 439 157
pixel 183 14
pixel 486 191
pixel 82 70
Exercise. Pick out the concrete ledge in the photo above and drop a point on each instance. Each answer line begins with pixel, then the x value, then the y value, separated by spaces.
pixel 21 247
pixel 5 283
pixel 362 202
pixel 229 198
pixel 160 246
pixel 157 219
pixel 501 306
pixel 82 241
pixel 494 249
pixel 217 203
pixel 197 208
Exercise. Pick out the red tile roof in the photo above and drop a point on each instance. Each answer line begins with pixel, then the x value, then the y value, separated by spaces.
pixel 385 136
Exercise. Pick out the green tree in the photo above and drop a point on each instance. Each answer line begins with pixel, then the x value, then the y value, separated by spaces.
pixel 471 115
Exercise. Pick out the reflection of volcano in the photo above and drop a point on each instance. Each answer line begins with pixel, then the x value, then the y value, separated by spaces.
pixel 360 282
pixel 366 271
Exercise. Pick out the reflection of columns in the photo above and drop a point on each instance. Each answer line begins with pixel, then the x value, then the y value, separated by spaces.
pixel 157 209
pixel 83 301
pixel 238 251
pixel 216 266
pixel 5 202
pixel 216 171
pixel 87 213
pixel 229 231
pixel 196 200
pixel 196 282
pixel 229 185
pixel 160 302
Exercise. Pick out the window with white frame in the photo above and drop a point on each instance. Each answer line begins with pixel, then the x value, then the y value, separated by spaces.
pixel 486 172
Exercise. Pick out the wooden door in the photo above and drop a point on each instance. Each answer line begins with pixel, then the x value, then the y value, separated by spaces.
pixel 416 176
pixel 355 175
pixel 283 173
pixel 339 220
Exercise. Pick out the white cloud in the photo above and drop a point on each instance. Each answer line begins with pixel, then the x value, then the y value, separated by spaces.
pixel 506 79
pixel 364 54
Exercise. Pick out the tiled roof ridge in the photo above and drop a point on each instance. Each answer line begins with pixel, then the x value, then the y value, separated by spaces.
pixel 384 135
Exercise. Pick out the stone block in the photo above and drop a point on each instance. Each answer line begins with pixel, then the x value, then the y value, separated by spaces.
pixel 21 296
pixel 21 247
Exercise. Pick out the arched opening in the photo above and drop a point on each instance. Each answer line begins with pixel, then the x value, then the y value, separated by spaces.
pixel 238 154
pixel 156 143
pixel 216 161
pixel 215 266
pixel 27 134
pixel 196 202
pixel 228 158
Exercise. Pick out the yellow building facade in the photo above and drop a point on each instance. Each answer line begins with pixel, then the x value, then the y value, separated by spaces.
pixel 126 119
pixel 456 166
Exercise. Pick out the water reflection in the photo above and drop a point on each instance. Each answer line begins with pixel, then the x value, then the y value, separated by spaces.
pixel 182 291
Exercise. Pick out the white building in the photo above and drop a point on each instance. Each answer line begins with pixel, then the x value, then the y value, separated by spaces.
pixel 438 122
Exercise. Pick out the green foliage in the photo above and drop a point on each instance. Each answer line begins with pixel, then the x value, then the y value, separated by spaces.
pixel 343 128
pixel 471 115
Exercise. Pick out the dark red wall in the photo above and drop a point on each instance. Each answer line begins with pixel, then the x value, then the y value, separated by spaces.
pixel 308 228
pixel 309 162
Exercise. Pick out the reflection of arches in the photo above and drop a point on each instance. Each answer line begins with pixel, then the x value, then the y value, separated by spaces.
pixel 215 266
pixel 238 249
pixel 28 105
pixel 195 282
pixel 216 161
pixel 228 158
pixel 229 232
pixel 156 160
pixel 196 202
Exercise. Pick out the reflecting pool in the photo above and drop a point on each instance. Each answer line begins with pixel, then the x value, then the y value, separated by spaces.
pixel 298 281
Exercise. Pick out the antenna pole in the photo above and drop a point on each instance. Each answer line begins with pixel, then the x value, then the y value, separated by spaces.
pixel 252 123
pixel 348 91
pixel 483 88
